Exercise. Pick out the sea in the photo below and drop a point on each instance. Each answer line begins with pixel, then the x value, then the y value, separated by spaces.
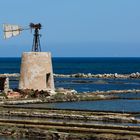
pixel 93 65
pixel 84 65
pixel 70 65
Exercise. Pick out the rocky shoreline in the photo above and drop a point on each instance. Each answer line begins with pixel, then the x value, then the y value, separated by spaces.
pixel 89 75
pixel 65 95
pixel 83 75
pixel 61 95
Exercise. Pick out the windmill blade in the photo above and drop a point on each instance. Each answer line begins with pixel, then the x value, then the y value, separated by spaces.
pixel 11 30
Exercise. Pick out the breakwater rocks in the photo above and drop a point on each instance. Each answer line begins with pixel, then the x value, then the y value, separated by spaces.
pixel 83 75
pixel 89 75
pixel 10 75
pixel 113 92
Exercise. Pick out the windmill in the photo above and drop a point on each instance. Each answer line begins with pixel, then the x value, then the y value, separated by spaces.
pixel 14 30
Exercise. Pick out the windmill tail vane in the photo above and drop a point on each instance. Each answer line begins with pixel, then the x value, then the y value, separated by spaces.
pixel 11 30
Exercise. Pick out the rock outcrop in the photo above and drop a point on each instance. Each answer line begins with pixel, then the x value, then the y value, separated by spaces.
pixel 89 75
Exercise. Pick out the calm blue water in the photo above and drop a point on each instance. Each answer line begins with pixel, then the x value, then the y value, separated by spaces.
pixel 121 105
pixel 93 84
pixel 84 65
pixel 96 65
pixel 105 105
pixel 80 65
pixel 10 65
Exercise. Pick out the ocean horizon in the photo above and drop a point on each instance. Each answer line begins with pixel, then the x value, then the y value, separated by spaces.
pixel 71 65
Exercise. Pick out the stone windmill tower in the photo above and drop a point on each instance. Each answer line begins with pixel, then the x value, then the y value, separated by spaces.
pixel 36 66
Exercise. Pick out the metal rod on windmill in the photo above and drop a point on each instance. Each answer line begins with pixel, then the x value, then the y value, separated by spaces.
pixel 14 30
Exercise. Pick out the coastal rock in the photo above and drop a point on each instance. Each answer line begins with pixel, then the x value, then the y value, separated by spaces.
pixel 105 75
pixel 13 95
pixel 99 76
pixel 15 102
pixel 101 96
pixel 66 91
pixel 116 75
pixel 10 75
pixel 83 75
pixel 135 75
pixel 89 75
pixel 78 75
pixel 132 75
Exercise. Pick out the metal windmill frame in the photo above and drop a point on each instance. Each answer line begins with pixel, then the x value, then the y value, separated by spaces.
pixel 14 30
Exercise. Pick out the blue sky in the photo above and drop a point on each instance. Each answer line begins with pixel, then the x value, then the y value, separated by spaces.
pixel 74 28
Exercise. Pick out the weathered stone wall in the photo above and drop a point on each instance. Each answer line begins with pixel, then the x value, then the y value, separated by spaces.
pixel 4 84
pixel 36 71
